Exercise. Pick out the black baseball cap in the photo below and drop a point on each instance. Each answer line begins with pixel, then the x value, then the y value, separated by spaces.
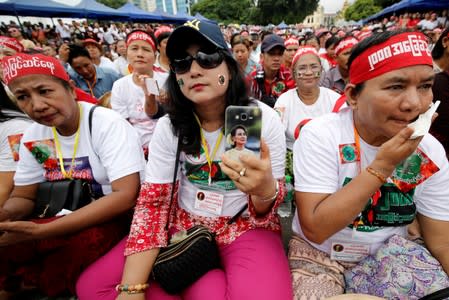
pixel 271 41
pixel 202 29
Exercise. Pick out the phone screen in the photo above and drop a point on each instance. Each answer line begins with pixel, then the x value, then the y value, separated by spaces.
pixel 152 86
pixel 243 126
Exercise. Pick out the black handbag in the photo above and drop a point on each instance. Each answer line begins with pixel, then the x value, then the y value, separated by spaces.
pixel 71 194
pixel 52 196
pixel 190 254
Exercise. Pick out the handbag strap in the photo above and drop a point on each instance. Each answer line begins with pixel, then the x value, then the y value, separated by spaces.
pixel 438 295
pixel 91 114
pixel 175 173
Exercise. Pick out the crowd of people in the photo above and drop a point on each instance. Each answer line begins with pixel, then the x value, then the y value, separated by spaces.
pixel 117 105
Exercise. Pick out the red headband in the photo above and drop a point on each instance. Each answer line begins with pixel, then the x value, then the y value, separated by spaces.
pixel 291 42
pixel 303 51
pixel 11 43
pixel 23 64
pixel 345 44
pixel 161 30
pixel 399 51
pixel 140 36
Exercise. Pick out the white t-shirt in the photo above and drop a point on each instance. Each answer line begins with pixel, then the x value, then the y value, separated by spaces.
pixel 106 63
pixel 292 110
pixel 318 169
pixel 110 153
pixel 121 65
pixel 128 99
pixel 10 133
pixel 193 170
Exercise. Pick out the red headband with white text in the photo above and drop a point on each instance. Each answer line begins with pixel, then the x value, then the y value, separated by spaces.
pixel 345 44
pixel 11 43
pixel 140 36
pixel 23 64
pixel 399 51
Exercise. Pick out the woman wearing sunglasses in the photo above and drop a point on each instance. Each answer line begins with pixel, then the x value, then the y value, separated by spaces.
pixel 203 81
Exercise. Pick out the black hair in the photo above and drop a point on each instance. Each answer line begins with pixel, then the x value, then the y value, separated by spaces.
pixel 162 36
pixel 237 38
pixel 77 51
pixel 7 103
pixel 332 41
pixel 180 109
pixel 438 49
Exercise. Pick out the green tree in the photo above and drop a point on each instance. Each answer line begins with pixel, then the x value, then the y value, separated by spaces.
pixel 385 3
pixel 230 11
pixel 246 11
pixel 361 9
pixel 113 3
pixel 275 11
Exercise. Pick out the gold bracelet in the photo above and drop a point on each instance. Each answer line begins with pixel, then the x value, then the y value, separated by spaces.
pixel 271 199
pixel 376 173
pixel 132 288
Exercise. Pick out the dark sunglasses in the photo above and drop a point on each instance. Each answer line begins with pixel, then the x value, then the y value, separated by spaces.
pixel 206 61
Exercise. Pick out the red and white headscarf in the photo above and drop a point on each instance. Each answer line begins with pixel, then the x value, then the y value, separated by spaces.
pixel 11 43
pixel 346 43
pixel 140 36
pixel 291 42
pixel 22 64
pixel 399 51
pixel 303 51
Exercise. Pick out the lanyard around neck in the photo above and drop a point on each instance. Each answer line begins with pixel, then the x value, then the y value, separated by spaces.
pixel 206 150
pixel 358 148
pixel 68 175
pixel 91 87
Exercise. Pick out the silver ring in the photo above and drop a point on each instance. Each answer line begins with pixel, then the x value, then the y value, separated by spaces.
pixel 242 172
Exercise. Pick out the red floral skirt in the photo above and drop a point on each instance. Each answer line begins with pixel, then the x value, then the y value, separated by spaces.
pixel 53 265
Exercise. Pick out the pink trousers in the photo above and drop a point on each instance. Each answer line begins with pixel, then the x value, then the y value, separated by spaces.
pixel 254 267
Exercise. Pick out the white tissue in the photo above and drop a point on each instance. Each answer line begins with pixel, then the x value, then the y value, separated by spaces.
pixel 422 124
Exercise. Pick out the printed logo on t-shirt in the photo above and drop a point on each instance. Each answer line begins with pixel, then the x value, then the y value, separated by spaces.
pixel 43 151
pixel 198 174
pixel 14 144
pixel 348 153
pixel 387 207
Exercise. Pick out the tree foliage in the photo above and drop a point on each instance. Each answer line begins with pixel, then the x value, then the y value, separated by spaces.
pixel 246 11
pixel 361 9
pixel 113 3
pixel 228 11
pixel 385 3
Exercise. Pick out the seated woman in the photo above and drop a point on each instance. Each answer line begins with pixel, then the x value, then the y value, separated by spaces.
pixel 50 253
pixel 129 96
pixel 297 106
pixel 13 123
pixel 350 179
pixel 205 79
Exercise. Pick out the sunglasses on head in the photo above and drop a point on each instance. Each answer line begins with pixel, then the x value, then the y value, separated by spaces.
pixel 204 60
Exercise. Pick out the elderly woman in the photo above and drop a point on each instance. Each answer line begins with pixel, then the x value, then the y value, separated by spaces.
pixel 307 101
pixel 353 188
pixel 130 96
pixel 68 141
pixel 205 79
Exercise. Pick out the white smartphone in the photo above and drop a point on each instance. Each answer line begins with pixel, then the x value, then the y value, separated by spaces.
pixel 152 86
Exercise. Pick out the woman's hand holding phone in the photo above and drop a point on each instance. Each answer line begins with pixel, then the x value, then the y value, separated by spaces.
pixel 252 175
